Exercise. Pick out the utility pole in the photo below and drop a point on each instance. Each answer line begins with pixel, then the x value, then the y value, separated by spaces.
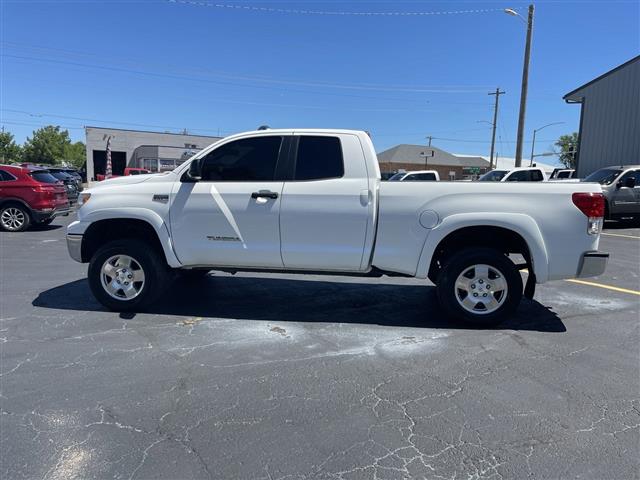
pixel 497 93
pixel 429 138
pixel 525 84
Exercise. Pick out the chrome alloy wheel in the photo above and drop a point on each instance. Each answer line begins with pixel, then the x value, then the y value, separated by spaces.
pixel 122 277
pixel 481 289
pixel 12 219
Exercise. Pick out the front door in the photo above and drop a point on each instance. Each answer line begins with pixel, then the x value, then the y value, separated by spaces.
pixel 626 200
pixel 231 216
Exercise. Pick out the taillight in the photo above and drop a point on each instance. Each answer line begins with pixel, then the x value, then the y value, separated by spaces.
pixel 592 205
pixel 43 189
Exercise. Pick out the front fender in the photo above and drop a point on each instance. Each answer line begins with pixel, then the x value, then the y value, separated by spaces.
pixel 144 214
pixel 519 223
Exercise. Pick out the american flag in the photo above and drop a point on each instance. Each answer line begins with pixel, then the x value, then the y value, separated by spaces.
pixel 108 170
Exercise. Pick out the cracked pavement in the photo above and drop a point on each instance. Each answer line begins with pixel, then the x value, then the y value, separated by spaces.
pixel 263 376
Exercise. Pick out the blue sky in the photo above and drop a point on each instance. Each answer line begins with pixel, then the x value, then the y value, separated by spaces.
pixel 161 65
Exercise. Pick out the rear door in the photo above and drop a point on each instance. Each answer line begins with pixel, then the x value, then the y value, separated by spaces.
pixel 326 202
pixel 230 217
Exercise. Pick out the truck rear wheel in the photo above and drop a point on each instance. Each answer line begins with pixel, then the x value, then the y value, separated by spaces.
pixel 479 286
pixel 125 275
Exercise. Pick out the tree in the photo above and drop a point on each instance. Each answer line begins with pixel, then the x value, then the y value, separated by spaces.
pixel 10 151
pixel 75 154
pixel 48 145
pixel 568 145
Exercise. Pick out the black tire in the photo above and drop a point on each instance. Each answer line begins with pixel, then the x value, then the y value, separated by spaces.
pixel 463 261
pixel 14 217
pixel 151 262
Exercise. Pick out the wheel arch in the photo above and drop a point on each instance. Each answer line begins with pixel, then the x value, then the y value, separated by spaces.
pixel 513 233
pixel 11 200
pixel 104 228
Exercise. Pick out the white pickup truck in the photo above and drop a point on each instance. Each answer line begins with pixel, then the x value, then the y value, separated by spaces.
pixel 311 201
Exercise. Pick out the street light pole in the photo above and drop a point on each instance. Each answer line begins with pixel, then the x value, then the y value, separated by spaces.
pixel 533 141
pixel 525 82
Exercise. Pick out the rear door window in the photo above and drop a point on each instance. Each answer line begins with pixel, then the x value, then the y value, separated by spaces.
pixel 319 158
pixel 421 177
pixel 519 176
pixel 536 176
pixel 6 176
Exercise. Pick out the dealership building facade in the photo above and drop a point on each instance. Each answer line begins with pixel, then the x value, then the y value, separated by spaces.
pixel 155 151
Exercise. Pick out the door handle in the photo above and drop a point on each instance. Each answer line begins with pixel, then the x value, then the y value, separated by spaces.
pixel 264 194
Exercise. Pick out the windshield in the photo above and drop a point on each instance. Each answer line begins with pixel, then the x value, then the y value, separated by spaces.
pixel 493 176
pixel 43 177
pixel 604 176
pixel 397 177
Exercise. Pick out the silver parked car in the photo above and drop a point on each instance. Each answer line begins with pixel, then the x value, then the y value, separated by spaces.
pixel 621 188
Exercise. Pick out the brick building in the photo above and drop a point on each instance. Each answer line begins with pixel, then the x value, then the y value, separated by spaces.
pixel 420 157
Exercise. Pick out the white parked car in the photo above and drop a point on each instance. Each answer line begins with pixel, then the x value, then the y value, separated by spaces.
pixel 562 174
pixel 519 174
pixel 416 176
pixel 311 201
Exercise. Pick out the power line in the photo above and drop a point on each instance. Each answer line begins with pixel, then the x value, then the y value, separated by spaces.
pixel 294 11
pixel 455 89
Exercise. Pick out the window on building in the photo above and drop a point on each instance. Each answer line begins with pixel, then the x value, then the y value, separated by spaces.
pixel 319 158
pixel 246 160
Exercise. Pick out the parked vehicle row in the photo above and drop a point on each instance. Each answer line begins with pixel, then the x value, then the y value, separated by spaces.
pixel 30 196
pixel 519 174
pixel 302 201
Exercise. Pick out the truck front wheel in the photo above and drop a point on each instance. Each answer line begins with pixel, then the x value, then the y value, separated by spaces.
pixel 480 286
pixel 125 275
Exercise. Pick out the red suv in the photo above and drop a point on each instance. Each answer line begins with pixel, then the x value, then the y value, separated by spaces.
pixel 29 196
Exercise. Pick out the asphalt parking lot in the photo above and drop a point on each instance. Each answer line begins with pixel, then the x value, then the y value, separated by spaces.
pixel 263 376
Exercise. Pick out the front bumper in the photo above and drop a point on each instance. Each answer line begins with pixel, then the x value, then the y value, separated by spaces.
pixel 74 245
pixel 592 264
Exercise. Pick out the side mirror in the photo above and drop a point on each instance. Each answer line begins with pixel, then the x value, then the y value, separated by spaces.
pixel 630 182
pixel 194 174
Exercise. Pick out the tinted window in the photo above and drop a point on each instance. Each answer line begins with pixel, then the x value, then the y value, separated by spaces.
pixel 519 176
pixel 493 176
pixel 420 177
pixel 43 177
pixel 6 176
pixel 247 160
pixel 318 158
pixel 536 176
pixel 633 173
